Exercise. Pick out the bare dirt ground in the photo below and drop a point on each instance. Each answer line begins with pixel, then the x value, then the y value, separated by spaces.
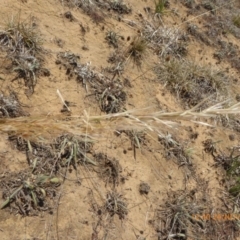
pixel 118 181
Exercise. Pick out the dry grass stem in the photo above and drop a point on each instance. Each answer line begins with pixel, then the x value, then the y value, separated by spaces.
pixel 39 126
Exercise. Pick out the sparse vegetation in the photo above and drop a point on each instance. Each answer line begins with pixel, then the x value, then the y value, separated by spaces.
pixel 10 106
pixel 165 40
pixel 160 6
pixel 228 52
pixel 120 7
pixel 108 92
pixel 23 44
pixel 236 21
pixel 180 218
pixel 137 50
pixel 116 205
pixel 137 138
pixel 26 194
pixel 112 38
pixel 81 138
pixel 190 82
pixel 109 169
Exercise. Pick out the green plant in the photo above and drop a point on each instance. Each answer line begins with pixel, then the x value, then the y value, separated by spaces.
pixel 236 21
pixel 137 50
pixel 160 6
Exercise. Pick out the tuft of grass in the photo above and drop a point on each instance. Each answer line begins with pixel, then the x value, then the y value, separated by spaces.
pixel 137 50
pixel 116 205
pixel 137 139
pixel 175 218
pixel 109 169
pixel 26 194
pixel 10 106
pixel 190 82
pixel 165 40
pixel 160 6
pixel 120 7
pixel 236 21
pixel 112 38
pixel 23 44
pixel 108 92
pixel 21 36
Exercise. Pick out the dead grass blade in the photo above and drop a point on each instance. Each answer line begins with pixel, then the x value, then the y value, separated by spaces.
pixel 43 128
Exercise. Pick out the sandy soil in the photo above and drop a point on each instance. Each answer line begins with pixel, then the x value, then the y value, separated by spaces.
pixel 75 208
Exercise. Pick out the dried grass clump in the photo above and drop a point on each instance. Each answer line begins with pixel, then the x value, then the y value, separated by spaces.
pixel 112 38
pixel 71 150
pixel 20 37
pixel 91 7
pixel 200 35
pixel 119 6
pixel 23 44
pixel 10 106
pixel 175 219
pixel 231 122
pixel 137 138
pixel 230 162
pixel 165 40
pixel 108 92
pixel 28 194
pixel 175 150
pixel 190 82
pixel 230 52
pixel 116 205
pixel 190 214
pixel 109 169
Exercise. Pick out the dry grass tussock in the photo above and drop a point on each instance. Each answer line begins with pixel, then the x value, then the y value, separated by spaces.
pixel 190 82
pixel 165 40
pixel 43 128
pixel 22 43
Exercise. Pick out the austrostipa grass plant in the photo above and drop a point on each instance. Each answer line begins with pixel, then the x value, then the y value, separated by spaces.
pixel 137 50
pixel 23 44
pixel 186 214
pixel 236 21
pixel 190 82
pixel 19 36
pixel 44 128
pixel 26 193
pixel 161 6
pixel 108 92
pixel 10 106
pixel 175 219
pixel 165 40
